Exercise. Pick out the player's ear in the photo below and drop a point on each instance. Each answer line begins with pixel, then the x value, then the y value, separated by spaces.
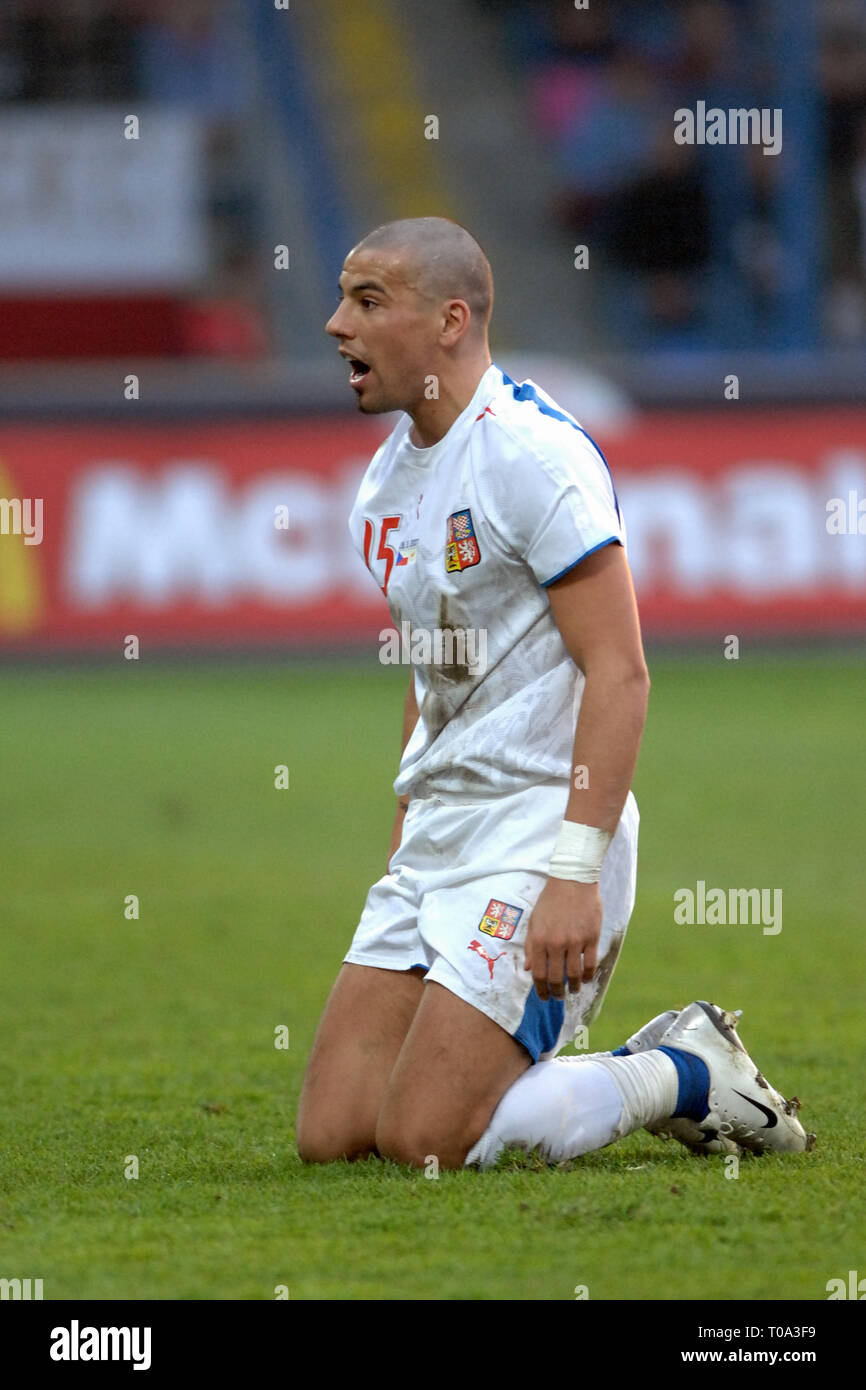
pixel 456 317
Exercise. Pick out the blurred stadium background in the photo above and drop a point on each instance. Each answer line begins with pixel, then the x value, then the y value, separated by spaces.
pixel 163 385
pixel 166 383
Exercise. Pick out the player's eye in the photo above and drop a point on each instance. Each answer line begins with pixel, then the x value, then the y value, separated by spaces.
pixel 374 302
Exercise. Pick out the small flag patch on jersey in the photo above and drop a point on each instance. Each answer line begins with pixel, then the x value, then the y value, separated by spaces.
pixel 500 919
pixel 461 546
pixel 407 552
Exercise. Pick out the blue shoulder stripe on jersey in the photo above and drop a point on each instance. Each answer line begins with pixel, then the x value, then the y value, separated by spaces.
pixel 526 392
pixel 611 540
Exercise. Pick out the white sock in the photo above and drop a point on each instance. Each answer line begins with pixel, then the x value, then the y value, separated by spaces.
pixel 649 1085
pixel 565 1110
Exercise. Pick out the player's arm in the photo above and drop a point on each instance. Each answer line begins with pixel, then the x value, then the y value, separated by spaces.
pixel 410 719
pixel 595 610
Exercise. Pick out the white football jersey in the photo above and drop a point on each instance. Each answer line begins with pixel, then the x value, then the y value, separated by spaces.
pixel 463 538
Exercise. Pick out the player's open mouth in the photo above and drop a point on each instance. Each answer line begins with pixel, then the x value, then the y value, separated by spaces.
pixel 359 370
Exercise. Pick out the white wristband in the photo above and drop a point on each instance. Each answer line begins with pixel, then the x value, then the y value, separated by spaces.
pixel 579 852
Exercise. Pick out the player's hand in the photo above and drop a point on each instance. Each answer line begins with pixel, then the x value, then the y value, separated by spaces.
pixel 562 941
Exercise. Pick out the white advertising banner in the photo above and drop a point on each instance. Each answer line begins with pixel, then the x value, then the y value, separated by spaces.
pixel 101 198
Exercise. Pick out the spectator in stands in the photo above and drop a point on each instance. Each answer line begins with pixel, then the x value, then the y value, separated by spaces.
pixel 185 57
pixel 843 91
pixel 692 230
pixel 70 50
pixel 658 227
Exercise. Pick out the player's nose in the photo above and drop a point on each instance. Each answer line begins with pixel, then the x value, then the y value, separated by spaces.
pixel 335 325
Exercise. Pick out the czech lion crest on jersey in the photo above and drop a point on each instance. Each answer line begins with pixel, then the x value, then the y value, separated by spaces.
pixel 461 545
pixel 500 919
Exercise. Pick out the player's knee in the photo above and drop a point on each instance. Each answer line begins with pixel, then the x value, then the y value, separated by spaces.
pixel 313 1149
pixel 319 1146
pixel 399 1147
pixel 420 1147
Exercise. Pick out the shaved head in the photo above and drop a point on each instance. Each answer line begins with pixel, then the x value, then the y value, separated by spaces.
pixel 438 259
pixel 413 304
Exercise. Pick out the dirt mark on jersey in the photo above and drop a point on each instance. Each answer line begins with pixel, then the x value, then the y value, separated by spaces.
pixel 445 677
pixel 453 671
pixel 601 978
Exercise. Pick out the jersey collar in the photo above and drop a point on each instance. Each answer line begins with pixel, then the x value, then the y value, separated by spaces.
pixel 489 381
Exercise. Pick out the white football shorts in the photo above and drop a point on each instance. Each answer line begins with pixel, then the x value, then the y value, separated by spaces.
pixel 458 897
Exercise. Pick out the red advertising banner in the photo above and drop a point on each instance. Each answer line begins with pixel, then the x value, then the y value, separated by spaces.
pixel 234 533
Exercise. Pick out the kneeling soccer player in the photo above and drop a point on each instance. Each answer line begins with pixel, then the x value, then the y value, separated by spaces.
pixel 489 515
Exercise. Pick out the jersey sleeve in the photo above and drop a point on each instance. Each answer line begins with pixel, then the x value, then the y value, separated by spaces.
pixel 554 508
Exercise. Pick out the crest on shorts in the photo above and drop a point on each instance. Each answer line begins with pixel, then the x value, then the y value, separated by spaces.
pixel 461 545
pixel 500 919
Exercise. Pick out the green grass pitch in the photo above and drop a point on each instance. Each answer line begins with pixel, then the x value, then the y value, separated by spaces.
pixel 154 1037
